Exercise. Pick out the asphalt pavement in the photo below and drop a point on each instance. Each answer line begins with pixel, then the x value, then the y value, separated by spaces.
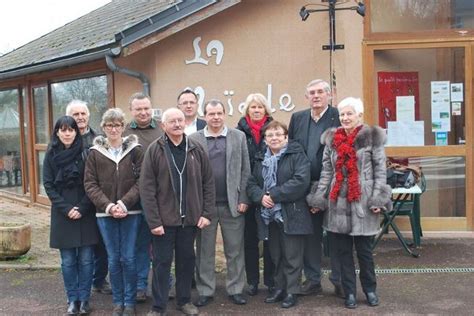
pixel 439 282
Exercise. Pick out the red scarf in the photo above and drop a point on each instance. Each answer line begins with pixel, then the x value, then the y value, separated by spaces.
pixel 346 157
pixel 256 128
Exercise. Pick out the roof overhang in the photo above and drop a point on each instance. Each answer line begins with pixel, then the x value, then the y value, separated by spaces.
pixel 68 61
pixel 141 35
pixel 168 22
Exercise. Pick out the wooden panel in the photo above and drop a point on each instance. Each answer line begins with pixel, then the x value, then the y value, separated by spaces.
pixel 435 224
pixel 440 151
pixel 468 104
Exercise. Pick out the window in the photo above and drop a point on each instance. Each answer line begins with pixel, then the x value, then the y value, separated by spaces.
pixel 421 15
pixel 10 162
pixel 92 90
pixel 420 95
pixel 445 194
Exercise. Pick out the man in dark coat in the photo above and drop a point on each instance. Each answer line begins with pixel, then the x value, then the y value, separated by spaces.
pixel 148 130
pixel 306 127
pixel 188 103
pixel 80 112
pixel 178 196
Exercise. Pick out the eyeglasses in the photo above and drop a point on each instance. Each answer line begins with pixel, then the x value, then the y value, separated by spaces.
pixel 271 135
pixel 110 126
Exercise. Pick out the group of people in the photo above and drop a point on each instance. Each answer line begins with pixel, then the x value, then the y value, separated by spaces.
pixel 166 186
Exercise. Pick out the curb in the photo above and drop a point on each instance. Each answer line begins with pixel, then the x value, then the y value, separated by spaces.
pixel 28 267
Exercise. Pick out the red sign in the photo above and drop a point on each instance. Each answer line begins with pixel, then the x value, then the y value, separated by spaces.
pixel 390 86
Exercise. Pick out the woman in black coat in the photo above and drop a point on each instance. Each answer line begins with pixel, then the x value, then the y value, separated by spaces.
pixel 279 184
pixel 73 227
pixel 257 115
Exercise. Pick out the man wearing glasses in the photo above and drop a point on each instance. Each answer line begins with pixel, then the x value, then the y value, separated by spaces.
pixel 188 103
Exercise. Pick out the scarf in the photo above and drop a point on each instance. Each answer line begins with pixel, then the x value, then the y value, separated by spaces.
pixel 269 173
pixel 346 158
pixel 256 128
pixel 65 159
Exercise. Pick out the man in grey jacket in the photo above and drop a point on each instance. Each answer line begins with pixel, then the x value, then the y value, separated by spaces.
pixel 227 150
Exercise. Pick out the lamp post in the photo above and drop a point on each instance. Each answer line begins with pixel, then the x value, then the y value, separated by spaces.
pixel 331 8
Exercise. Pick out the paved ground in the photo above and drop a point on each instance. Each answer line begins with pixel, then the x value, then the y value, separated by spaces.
pixel 440 281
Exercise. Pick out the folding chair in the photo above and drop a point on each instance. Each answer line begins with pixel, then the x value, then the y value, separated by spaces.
pixel 406 203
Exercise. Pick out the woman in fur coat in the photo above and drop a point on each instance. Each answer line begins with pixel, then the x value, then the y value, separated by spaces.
pixel 352 191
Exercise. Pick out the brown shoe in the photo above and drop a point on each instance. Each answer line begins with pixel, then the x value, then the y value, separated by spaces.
pixel 188 309
pixel 118 310
pixel 141 296
pixel 104 288
pixel 129 311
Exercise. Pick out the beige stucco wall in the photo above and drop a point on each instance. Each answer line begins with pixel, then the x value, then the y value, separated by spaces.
pixel 265 43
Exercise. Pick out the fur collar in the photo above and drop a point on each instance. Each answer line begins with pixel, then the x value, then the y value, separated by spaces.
pixel 128 141
pixel 367 136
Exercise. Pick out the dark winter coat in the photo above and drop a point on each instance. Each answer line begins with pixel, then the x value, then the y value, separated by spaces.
pixel 157 187
pixel 298 130
pixel 66 232
pixel 252 146
pixel 354 218
pixel 293 183
pixel 109 180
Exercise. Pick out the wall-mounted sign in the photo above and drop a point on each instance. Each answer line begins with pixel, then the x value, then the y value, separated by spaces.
pixel 214 47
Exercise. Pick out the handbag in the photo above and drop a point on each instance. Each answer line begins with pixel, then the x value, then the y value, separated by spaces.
pixel 402 176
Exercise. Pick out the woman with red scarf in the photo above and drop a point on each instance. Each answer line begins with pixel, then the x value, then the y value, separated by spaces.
pixel 353 191
pixel 257 115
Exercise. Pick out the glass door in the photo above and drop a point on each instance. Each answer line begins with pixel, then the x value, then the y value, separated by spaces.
pixel 41 131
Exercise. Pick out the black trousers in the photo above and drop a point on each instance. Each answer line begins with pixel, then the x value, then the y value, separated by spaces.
pixel 252 255
pixel 344 250
pixel 287 255
pixel 179 240
pixel 313 247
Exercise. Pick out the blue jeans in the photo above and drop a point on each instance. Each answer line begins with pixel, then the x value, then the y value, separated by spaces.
pixel 100 264
pixel 119 237
pixel 142 253
pixel 77 266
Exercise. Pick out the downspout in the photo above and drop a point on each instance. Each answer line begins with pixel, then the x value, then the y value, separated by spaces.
pixel 109 58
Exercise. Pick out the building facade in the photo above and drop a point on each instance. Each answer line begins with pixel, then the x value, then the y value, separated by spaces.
pixel 400 59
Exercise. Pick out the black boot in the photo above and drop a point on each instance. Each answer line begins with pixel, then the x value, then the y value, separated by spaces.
pixel 289 301
pixel 372 299
pixel 276 296
pixel 350 301
pixel 84 308
pixel 72 308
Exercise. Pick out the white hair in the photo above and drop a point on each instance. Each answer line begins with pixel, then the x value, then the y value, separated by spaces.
pixel 356 103
pixel 75 103
pixel 314 82
pixel 169 111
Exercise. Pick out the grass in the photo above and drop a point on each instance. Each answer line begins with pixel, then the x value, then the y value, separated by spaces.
pixel 22 259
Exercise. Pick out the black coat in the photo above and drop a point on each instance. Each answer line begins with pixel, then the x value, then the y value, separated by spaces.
pixel 298 130
pixel 65 232
pixel 252 146
pixel 293 184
